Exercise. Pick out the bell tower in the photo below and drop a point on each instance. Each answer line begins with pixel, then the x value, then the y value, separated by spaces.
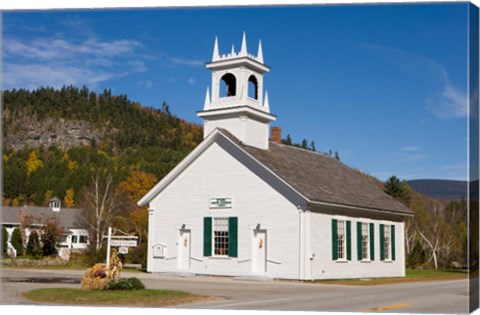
pixel 237 102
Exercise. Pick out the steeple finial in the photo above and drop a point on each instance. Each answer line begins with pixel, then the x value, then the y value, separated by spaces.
pixel 243 50
pixel 233 51
pixel 260 52
pixel 216 54
pixel 206 105
pixel 266 105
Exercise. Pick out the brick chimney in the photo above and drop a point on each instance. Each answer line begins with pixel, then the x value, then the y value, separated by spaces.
pixel 276 134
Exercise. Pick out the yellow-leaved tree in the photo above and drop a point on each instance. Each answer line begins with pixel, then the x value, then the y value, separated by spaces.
pixel 135 187
pixel 33 162
pixel 69 198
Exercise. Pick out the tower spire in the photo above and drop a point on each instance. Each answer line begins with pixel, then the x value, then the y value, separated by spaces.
pixel 243 50
pixel 216 54
pixel 260 52
pixel 206 105
pixel 233 51
pixel 266 104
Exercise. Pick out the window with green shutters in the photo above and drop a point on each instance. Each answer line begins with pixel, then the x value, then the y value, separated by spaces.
pixel 363 241
pixel 341 240
pixel 220 236
pixel 387 242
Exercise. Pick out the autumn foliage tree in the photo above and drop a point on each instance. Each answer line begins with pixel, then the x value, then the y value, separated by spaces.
pixel 436 235
pixel 101 203
pixel 137 184
pixel 69 198
pixel 50 233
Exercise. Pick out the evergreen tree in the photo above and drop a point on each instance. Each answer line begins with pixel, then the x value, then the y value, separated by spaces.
pixel 34 247
pixel 4 240
pixel 337 156
pixel 17 242
pixel 312 146
pixel 304 144
pixel 397 189
pixel 288 140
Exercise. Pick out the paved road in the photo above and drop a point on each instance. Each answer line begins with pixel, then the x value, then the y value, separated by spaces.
pixel 421 297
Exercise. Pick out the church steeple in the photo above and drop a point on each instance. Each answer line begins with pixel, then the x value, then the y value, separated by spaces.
pixel 236 101
pixel 216 55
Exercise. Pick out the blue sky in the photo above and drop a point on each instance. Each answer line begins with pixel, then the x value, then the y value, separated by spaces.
pixel 384 85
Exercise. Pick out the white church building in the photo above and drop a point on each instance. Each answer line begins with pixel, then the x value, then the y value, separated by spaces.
pixel 243 205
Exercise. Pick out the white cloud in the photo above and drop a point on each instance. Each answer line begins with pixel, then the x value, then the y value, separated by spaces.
pixel 410 149
pixel 191 81
pixel 446 103
pixel 56 62
pixel 186 62
pixel 31 76
pixel 146 84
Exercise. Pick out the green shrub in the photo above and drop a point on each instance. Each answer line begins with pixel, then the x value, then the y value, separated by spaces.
pixel 17 242
pixel 34 248
pixel 128 284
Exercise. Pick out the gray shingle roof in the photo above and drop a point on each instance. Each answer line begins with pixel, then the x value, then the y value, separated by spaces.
pixel 68 217
pixel 321 178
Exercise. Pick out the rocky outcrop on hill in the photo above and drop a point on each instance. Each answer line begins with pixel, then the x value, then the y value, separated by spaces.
pixel 28 132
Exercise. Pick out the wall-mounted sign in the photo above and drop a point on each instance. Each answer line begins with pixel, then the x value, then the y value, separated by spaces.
pixel 159 251
pixel 220 202
pixel 123 243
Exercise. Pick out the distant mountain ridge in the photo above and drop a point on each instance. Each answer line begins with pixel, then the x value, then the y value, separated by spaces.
pixel 440 188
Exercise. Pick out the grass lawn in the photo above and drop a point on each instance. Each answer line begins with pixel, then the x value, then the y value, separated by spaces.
pixel 411 276
pixel 146 297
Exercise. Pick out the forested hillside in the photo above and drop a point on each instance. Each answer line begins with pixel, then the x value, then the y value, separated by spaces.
pixel 87 148
pixel 55 140
pixel 440 189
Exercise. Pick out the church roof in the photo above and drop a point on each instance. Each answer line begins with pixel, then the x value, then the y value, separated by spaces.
pixel 67 217
pixel 321 178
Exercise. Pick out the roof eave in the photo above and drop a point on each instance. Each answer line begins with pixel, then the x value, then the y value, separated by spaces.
pixel 383 211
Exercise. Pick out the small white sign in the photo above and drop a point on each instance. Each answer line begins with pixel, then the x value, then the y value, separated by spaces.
pixel 159 251
pixel 123 243
pixel 123 250
pixel 220 202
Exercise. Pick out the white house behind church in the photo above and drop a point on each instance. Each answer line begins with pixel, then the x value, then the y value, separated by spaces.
pixel 241 205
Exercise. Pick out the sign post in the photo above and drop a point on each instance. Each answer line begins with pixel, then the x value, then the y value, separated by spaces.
pixel 108 246
pixel 123 242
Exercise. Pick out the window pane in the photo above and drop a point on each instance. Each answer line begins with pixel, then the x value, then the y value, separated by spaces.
pixel 220 236
pixel 341 239
pixel 365 241
pixel 386 241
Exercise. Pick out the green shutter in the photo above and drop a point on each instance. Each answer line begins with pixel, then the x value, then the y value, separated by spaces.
pixel 207 236
pixel 334 240
pixel 372 242
pixel 382 241
pixel 392 232
pixel 232 237
pixel 349 241
pixel 359 241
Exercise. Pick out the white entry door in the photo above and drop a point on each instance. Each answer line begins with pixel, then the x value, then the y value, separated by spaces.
pixel 259 259
pixel 184 250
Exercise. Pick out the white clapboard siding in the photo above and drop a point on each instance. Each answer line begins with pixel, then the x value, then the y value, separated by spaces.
pixel 326 268
pixel 217 173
